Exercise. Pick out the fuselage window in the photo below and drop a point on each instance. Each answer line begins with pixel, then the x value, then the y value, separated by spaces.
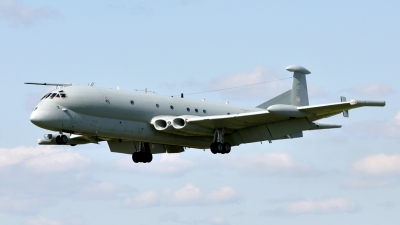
pixel 204 111
pixel 132 102
pixel 172 107
pixel 157 105
pixel 54 94
pixel 229 113
pixel 196 110
pixel 188 109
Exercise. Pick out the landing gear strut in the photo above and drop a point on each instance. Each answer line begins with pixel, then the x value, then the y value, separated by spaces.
pixel 219 145
pixel 143 154
pixel 61 139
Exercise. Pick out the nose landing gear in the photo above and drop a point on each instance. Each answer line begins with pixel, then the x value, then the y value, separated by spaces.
pixel 219 145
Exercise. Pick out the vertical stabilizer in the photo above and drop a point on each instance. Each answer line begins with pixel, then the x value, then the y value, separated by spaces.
pixel 299 94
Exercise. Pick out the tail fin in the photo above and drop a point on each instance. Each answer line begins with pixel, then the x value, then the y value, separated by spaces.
pixel 298 95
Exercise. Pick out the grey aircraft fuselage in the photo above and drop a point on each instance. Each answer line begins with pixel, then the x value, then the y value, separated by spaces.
pixel 142 124
pixel 118 114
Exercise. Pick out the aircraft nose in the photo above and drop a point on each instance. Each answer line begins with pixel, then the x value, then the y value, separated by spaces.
pixel 37 118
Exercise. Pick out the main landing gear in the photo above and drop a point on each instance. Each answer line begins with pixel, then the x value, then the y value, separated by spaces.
pixel 143 154
pixel 219 145
pixel 62 139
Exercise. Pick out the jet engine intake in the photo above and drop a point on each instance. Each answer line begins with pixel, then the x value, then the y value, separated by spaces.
pixel 161 123
pixel 179 125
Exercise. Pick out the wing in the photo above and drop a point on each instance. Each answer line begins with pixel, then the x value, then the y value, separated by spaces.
pixel 327 110
pixel 277 113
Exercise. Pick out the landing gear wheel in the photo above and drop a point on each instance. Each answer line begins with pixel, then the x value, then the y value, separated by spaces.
pixel 227 147
pixel 219 147
pixel 58 140
pixel 64 139
pixel 148 157
pixel 213 148
pixel 143 157
pixel 135 157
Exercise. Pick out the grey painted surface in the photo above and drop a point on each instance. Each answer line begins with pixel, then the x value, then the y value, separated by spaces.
pixel 124 118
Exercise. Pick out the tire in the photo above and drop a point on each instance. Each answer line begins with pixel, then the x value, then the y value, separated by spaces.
pixel 64 139
pixel 58 140
pixel 227 147
pixel 135 157
pixel 213 148
pixel 149 157
pixel 219 147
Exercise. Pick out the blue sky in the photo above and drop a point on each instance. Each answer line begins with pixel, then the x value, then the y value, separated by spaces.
pixel 341 176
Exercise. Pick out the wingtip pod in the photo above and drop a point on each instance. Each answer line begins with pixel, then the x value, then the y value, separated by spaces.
pixel 297 68
pixel 367 103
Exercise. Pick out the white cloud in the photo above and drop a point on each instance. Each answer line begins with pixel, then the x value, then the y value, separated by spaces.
pixel 224 194
pixel 146 199
pixel 185 196
pixel 272 85
pixel 42 159
pixel 372 90
pixel 378 165
pixel 268 164
pixel 35 177
pixel 168 165
pixel 17 13
pixel 334 205
pixel 42 221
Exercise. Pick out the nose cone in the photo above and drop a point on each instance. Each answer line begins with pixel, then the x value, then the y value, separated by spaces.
pixel 50 119
pixel 37 118
pixel 45 119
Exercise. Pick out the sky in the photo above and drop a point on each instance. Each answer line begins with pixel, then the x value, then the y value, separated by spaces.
pixel 339 176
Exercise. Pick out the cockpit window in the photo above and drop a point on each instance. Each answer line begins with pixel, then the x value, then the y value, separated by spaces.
pixel 45 96
pixel 58 96
pixel 63 95
pixel 52 96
